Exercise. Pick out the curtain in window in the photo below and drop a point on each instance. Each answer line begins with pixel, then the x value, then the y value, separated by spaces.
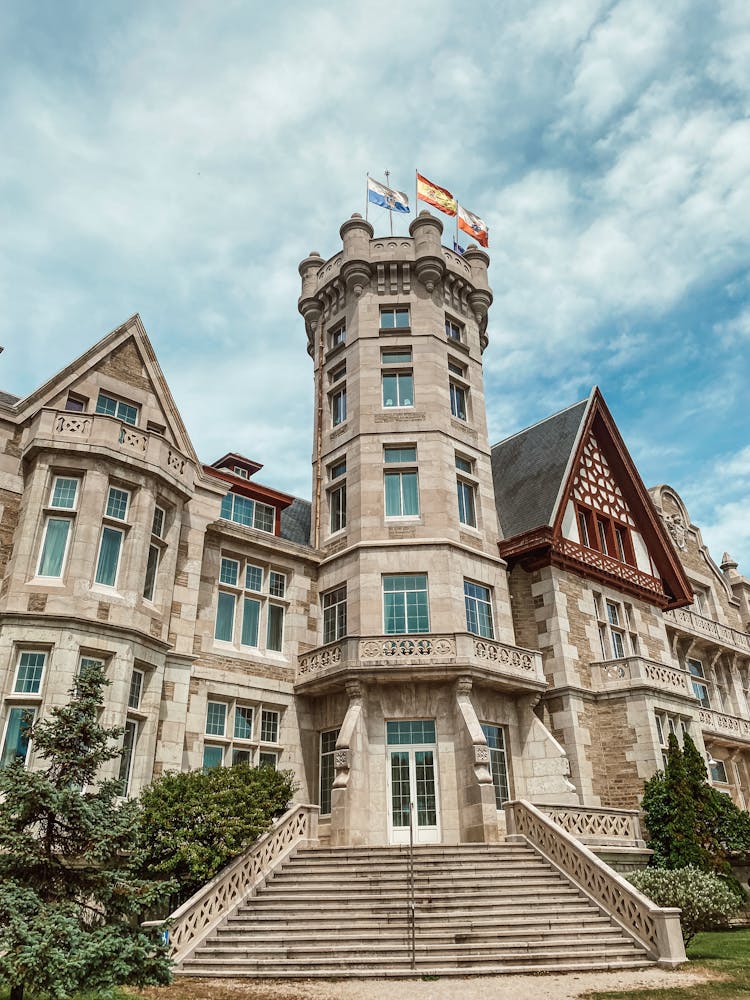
pixel 53 549
pixel 393 494
pixel 225 617
pixel 17 735
pixel 109 556
pixel 275 627
pixel 411 496
pixel 250 620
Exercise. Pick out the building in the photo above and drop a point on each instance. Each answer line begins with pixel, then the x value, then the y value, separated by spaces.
pixel 446 624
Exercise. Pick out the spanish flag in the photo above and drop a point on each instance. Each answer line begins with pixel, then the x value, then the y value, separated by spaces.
pixel 439 197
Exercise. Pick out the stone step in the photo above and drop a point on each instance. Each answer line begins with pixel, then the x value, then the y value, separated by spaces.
pixel 424 895
pixel 579 914
pixel 499 881
pixel 405 971
pixel 235 942
pixel 401 871
pixel 387 855
pixel 457 958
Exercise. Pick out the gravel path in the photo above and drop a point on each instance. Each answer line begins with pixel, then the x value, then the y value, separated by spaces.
pixel 554 987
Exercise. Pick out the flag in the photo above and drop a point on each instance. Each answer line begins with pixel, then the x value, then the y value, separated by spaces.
pixel 439 197
pixel 457 248
pixel 473 225
pixel 388 198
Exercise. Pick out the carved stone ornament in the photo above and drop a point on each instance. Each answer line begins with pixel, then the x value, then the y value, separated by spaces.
pixel 481 754
pixel 676 528
pixel 341 759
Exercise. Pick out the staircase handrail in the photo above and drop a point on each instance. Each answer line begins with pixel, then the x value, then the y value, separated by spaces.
pixel 597 824
pixel 657 929
pixel 191 923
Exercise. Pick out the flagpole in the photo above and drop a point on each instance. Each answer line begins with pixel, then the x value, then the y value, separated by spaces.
pixel 416 193
pixel 367 195
pixel 390 210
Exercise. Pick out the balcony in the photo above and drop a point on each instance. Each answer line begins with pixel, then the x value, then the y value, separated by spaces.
pixel 636 671
pixel 420 658
pixel 706 628
pixel 728 729
pixel 107 436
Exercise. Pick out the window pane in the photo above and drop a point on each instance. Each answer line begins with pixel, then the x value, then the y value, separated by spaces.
pixel 225 617
pixel 106 405
pixel 152 565
pixel 229 572
pixel 117 504
pixel 64 493
pixel 17 731
pixel 466 511
pixel 127 413
pixel 405 389
pixel 212 757
pixel 390 390
pixel 157 525
pixel 109 557
pixel 250 622
pixel 243 722
pixel 226 507
pixel 275 627
pixel 338 509
pixel 216 718
pixel 337 470
pixel 498 762
pixel 327 768
pixel 399 454
pixel 53 547
pixel 253 578
pixel 126 758
pixel 30 669
pixel 401 357
pixel 264 517
pixel 241 757
pixel 277 584
pixel 392 494
pixel 136 685
pixel 410 493
pixel 269 727
pixel 266 759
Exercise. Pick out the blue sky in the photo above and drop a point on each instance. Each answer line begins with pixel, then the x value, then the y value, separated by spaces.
pixel 180 159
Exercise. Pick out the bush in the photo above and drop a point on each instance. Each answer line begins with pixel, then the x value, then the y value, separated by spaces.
pixel 194 822
pixel 707 901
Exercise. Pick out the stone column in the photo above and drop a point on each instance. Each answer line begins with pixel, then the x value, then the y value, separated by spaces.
pixel 475 791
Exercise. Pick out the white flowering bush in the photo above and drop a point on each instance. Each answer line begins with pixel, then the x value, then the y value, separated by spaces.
pixel 706 901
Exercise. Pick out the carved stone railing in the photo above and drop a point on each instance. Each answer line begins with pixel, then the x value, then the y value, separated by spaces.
pixel 461 650
pixel 612 567
pixel 636 670
pixel 99 432
pixel 192 922
pixel 730 726
pixel 594 825
pixel 655 929
pixel 688 621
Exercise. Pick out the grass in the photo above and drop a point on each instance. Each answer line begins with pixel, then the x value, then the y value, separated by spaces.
pixel 722 954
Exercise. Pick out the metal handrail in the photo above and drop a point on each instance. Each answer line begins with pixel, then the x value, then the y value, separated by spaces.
pixel 412 900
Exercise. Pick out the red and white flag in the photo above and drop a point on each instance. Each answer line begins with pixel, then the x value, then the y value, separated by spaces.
pixel 474 226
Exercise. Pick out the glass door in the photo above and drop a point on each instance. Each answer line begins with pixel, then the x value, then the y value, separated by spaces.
pixel 412 782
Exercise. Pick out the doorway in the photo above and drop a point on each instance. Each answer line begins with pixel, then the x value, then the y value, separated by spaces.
pixel 412 781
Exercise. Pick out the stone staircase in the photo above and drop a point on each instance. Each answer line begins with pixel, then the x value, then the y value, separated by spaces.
pixel 332 912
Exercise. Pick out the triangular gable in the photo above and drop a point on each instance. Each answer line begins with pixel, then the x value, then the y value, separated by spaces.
pixel 627 543
pixel 124 355
pixel 601 482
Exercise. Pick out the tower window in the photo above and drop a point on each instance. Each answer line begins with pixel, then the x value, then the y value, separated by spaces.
pixel 394 318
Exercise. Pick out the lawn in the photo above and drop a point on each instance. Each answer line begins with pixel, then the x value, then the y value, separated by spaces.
pixel 723 954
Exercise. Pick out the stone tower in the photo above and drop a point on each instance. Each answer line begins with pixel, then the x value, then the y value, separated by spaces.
pixel 416 637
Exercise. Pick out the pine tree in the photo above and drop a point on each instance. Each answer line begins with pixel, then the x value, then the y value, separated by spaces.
pixel 671 814
pixel 70 897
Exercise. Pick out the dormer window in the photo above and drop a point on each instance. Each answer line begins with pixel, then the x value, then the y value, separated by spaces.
pixel 251 513
pixel 242 473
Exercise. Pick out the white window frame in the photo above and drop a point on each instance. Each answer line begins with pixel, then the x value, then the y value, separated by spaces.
pixel 141 675
pixel 231 745
pixel 119 401
pixel 10 708
pixel 243 595
pixel 44 653
pixel 334 622
pixel 126 781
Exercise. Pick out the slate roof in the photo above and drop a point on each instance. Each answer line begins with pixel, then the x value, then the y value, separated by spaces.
pixel 295 522
pixel 528 467
pixel 7 399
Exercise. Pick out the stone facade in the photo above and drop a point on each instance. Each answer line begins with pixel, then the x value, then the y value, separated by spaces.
pixel 391 642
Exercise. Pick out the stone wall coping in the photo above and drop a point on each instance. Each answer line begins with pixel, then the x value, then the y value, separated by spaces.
pixel 709 628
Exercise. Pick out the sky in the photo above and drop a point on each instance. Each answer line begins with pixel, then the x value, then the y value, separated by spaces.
pixel 179 159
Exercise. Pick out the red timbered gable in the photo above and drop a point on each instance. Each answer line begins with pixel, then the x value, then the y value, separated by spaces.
pixel 603 524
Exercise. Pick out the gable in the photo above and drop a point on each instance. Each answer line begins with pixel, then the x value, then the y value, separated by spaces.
pixel 123 367
pixel 604 524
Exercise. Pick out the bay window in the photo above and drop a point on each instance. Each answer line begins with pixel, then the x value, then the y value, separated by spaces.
pixel 405 607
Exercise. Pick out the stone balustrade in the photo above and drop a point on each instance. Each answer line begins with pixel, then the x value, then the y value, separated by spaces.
pixel 697 625
pixel 598 826
pixel 730 726
pixel 637 670
pixel 192 922
pixel 103 434
pixel 357 655
pixel 655 928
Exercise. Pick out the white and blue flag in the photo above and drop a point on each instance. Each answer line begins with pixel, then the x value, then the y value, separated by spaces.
pixel 379 194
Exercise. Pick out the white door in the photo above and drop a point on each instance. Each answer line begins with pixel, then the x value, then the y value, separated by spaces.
pixel 412 783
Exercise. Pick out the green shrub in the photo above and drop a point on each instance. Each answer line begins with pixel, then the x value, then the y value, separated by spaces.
pixel 193 823
pixel 707 901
